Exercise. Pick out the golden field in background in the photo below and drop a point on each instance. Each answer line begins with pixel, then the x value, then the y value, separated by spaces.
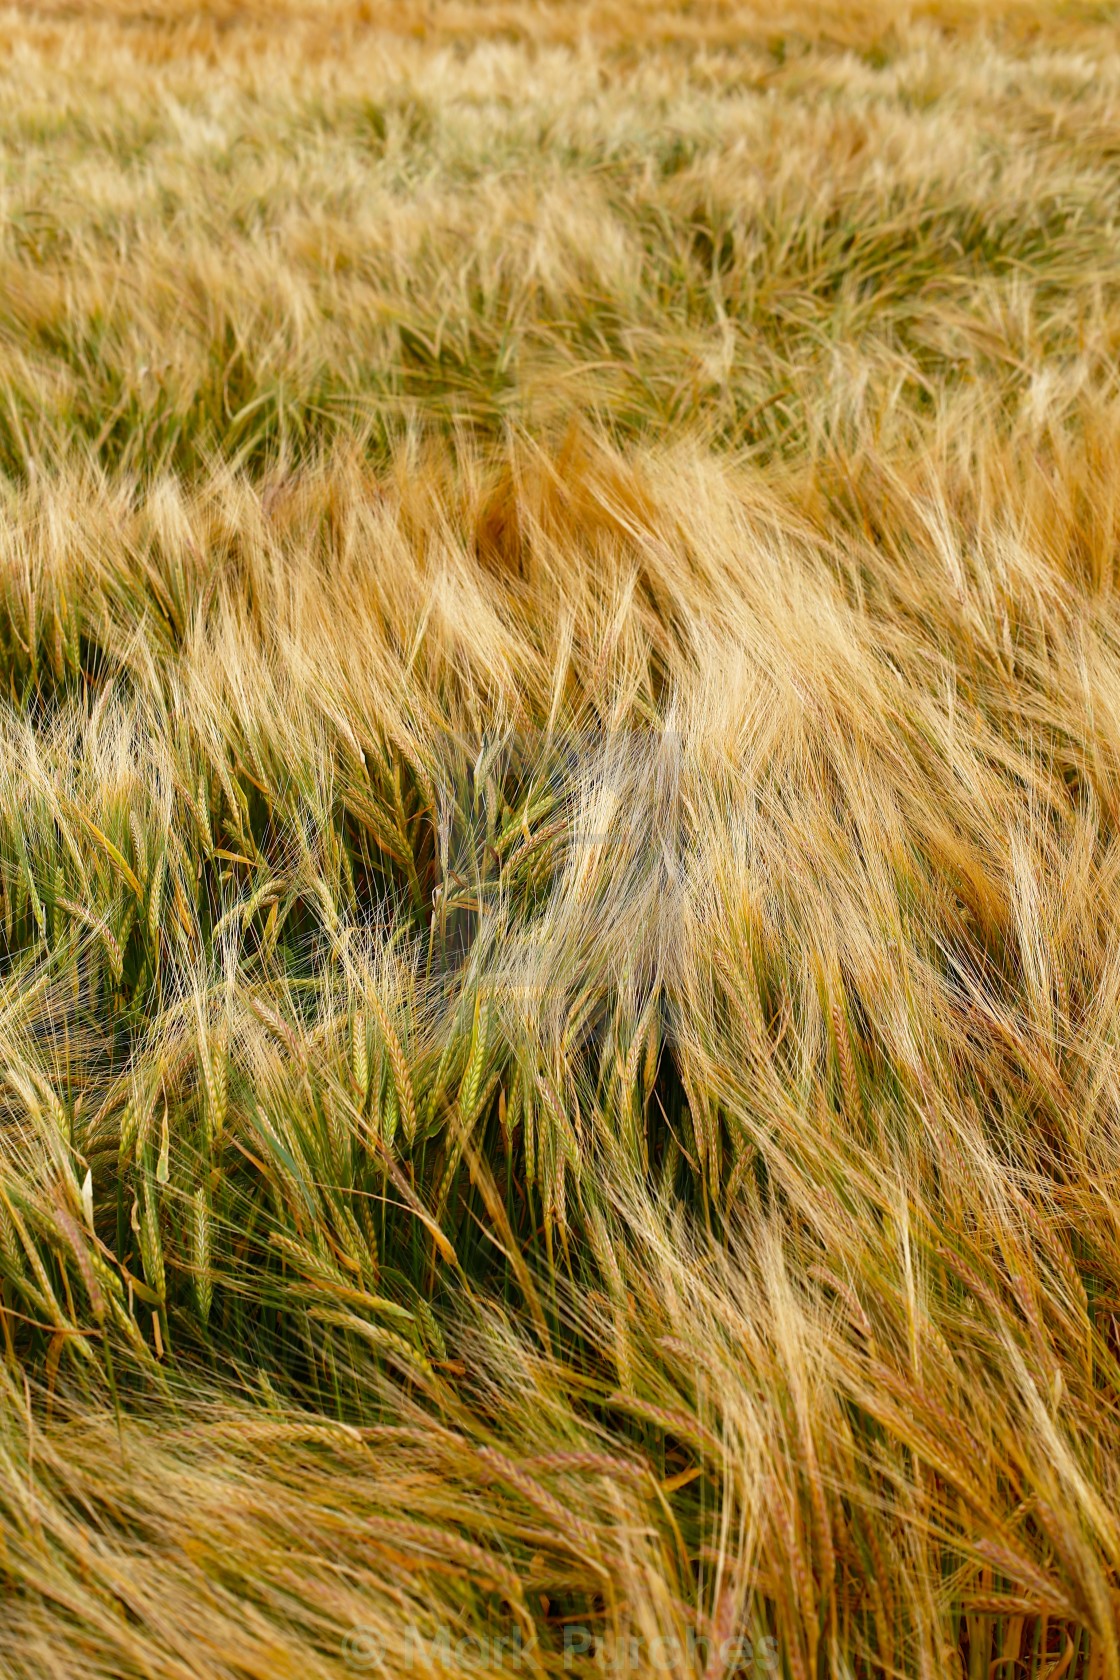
pixel 559 840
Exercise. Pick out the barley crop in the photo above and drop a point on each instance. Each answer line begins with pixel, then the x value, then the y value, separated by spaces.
pixel 560 839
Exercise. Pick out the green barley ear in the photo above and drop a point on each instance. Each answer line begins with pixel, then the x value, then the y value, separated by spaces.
pixel 351 895
pixel 359 1054
pixel 114 953
pixel 530 1129
pixel 511 1111
pixel 338 1137
pixel 57 649
pixel 670 1164
pixel 390 1113
pixel 352 1239
pixel 471 1087
pixel 130 1130
pixel 220 1076
pixel 630 1069
pixel 151 1244
pixel 400 1081
pixel 71 637
pixel 430 1330
pixel 215 1073
pixel 10 1249
pixel 164 1148
pixel 53 1105
pixel 54 911
pixel 365 1217
pixel 652 1049
pixel 200 1253
pixel 37 910
pixel 448 1057
pixel 845 1059
pixel 155 898
pixel 201 813
pixel 139 844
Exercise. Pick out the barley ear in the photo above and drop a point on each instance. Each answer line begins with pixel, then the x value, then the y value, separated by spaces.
pixel 200 1244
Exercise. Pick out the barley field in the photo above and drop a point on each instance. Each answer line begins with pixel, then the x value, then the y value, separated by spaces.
pixel 560 839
